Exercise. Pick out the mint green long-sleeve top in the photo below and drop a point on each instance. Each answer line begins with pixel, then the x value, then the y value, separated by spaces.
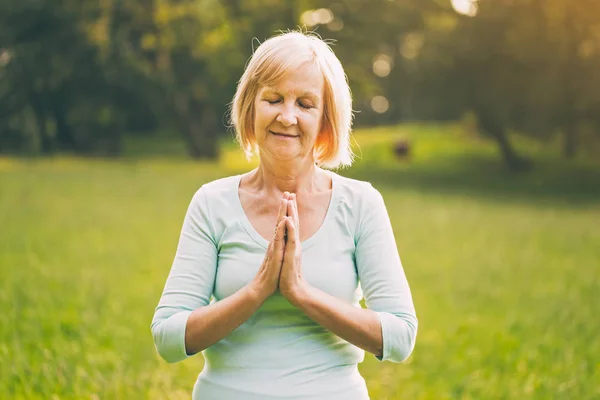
pixel 280 353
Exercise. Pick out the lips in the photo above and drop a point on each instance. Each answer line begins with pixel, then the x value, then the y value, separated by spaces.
pixel 283 134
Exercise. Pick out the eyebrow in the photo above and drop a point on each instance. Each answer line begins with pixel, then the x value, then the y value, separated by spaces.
pixel 307 93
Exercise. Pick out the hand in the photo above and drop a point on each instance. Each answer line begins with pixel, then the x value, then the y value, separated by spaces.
pixel 266 280
pixel 290 280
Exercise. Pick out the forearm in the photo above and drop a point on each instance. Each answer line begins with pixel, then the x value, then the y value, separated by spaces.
pixel 207 325
pixel 356 325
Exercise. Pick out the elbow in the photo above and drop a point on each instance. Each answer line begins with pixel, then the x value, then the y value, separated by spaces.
pixel 406 342
pixel 168 357
pixel 399 337
pixel 402 353
pixel 162 344
pixel 169 338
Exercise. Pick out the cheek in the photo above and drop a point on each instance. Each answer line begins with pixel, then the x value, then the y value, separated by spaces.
pixel 263 115
pixel 260 121
pixel 311 125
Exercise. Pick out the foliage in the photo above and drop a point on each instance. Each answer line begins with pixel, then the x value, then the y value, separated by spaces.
pixel 79 75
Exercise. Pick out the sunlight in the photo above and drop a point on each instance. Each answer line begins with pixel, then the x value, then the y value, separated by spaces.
pixel 380 104
pixel 465 7
pixel 382 65
pixel 411 45
pixel 322 16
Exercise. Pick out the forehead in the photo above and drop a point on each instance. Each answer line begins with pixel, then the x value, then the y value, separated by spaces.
pixel 304 79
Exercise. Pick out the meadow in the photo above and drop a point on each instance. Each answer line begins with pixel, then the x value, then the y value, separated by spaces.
pixel 504 269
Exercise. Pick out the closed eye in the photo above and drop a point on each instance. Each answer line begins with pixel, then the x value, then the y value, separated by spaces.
pixel 305 106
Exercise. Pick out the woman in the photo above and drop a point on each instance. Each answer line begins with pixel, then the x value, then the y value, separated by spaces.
pixel 266 276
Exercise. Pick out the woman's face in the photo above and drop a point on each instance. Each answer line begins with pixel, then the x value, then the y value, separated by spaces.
pixel 288 115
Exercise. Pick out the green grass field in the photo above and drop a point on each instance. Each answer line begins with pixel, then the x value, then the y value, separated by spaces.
pixel 505 271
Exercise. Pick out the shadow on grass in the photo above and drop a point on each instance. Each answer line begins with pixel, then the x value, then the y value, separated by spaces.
pixel 477 176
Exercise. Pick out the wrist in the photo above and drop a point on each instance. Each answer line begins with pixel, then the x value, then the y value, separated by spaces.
pixel 258 291
pixel 298 294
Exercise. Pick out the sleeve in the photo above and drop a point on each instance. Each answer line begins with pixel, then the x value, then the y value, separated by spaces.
pixel 190 282
pixel 383 280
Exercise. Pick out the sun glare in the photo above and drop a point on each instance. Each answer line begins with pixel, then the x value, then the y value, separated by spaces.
pixel 465 7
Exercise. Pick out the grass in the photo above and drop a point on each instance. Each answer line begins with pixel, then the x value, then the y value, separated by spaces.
pixel 505 271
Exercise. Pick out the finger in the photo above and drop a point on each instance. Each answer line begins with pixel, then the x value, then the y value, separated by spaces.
pixel 292 238
pixel 280 229
pixel 283 206
pixel 290 208
pixel 279 241
pixel 296 216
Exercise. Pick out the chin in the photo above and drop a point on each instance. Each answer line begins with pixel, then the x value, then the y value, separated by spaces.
pixel 285 156
pixel 282 153
pixel 284 149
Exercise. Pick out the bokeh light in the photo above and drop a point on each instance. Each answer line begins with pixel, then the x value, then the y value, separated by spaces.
pixel 336 25
pixel 380 104
pixel 465 7
pixel 382 65
pixel 321 16
pixel 5 57
pixel 411 45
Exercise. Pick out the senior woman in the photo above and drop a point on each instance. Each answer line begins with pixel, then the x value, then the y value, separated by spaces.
pixel 271 264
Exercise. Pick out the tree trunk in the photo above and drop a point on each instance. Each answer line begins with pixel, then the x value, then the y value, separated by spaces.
pixel 204 134
pixel 497 131
pixel 46 143
pixel 513 161
pixel 64 134
pixel 197 123
pixel 113 143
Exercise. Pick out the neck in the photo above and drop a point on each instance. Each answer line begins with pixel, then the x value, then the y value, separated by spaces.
pixel 293 176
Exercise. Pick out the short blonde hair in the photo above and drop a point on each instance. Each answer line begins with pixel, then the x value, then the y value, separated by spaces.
pixel 269 62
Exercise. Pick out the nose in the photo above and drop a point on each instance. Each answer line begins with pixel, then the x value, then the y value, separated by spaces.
pixel 287 116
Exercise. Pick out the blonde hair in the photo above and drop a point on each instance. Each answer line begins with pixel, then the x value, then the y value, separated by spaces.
pixel 269 62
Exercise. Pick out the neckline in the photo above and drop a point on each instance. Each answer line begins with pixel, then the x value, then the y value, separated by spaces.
pixel 259 239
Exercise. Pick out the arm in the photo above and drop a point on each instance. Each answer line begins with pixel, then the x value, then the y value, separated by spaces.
pixel 190 282
pixel 355 325
pixel 184 323
pixel 388 328
pixel 207 325
pixel 383 281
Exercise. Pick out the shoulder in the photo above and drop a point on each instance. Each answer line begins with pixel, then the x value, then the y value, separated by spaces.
pixel 217 192
pixel 220 186
pixel 360 203
pixel 213 204
pixel 356 192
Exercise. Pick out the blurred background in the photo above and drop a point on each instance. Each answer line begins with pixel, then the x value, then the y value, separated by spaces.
pixel 479 122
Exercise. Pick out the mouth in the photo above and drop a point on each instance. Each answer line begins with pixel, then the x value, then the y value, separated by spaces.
pixel 283 135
